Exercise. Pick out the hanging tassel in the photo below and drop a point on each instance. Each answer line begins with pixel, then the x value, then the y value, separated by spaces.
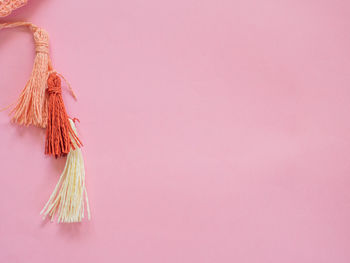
pixel 59 134
pixel 69 195
pixel 31 108
pixel 41 104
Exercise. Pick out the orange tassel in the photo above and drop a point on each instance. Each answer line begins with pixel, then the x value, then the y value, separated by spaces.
pixel 31 108
pixel 59 130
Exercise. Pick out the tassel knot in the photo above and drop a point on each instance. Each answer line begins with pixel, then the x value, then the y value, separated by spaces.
pixel 41 40
pixel 54 85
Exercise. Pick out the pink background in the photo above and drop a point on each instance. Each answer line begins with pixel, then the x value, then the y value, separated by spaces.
pixel 214 131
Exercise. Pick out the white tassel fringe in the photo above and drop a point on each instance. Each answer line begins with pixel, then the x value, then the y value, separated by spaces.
pixel 69 193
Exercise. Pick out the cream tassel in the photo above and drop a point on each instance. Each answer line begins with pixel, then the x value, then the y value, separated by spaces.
pixel 69 193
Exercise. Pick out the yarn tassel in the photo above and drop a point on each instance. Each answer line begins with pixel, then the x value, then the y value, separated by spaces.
pixel 69 195
pixel 31 108
pixel 60 137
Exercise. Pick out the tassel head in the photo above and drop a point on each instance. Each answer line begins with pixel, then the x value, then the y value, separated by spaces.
pixel 41 41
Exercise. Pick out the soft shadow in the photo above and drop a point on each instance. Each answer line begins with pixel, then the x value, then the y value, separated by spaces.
pixel 10 35
pixel 32 131
pixel 68 230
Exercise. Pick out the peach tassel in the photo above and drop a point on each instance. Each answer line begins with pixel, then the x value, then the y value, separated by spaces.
pixel 31 108
pixel 59 133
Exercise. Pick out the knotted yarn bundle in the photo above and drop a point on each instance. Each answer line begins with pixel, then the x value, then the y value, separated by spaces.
pixel 41 104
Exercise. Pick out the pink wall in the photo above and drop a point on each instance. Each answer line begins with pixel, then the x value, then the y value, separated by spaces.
pixel 214 131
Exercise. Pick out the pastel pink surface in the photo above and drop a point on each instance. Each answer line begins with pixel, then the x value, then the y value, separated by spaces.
pixel 214 131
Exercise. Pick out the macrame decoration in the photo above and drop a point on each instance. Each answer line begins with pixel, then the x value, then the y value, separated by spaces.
pixel 40 104
pixel 7 6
